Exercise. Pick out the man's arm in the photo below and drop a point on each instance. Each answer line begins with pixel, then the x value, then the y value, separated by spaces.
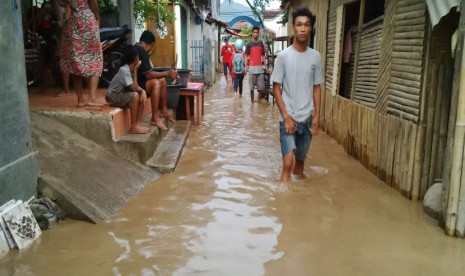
pixel 289 123
pixel 316 104
pixel 152 74
pixel 247 57
pixel 134 86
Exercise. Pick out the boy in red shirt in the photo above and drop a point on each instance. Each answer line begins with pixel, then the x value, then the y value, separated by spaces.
pixel 255 54
pixel 227 51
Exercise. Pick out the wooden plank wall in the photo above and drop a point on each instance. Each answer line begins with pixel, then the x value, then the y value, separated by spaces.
pixel 384 144
pixel 384 75
pixel 368 66
pixel 438 99
pixel 330 50
pixel 407 59
pixel 379 128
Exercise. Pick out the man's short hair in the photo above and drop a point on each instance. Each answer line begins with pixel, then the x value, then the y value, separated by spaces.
pixel 147 37
pixel 302 11
pixel 129 54
pixel 255 28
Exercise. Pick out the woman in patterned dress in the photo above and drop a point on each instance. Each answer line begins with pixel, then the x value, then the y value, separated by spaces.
pixel 81 53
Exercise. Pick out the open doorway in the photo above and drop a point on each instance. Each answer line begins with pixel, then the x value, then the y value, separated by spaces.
pixel 352 12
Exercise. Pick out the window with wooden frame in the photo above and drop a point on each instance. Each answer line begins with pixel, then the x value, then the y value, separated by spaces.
pixel 368 53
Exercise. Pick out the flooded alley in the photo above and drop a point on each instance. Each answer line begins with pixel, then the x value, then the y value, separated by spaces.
pixel 224 212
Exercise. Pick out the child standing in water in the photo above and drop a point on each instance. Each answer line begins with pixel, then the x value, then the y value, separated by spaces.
pixel 238 66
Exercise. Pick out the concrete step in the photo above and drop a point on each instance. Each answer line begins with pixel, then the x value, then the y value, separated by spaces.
pixel 88 181
pixel 140 147
pixel 168 152
pixel 109 127
pixel 121 121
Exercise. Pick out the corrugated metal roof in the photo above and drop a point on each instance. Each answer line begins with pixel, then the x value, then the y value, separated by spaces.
pixel 438 8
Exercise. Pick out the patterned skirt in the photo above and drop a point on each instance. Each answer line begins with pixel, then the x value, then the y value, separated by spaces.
pixel 81 52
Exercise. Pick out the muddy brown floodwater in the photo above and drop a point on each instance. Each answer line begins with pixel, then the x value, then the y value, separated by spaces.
pixel 223 212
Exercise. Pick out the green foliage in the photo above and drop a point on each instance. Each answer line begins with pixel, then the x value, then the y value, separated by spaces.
pixel 107 3
pixel 152 10
pixel 148 10
pixel 284 18
pixel 261 4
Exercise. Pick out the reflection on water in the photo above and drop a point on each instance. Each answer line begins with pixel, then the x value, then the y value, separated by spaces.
pixel 223 212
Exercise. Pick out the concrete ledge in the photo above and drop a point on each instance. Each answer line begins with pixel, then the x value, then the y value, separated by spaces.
pixel 100 128
pixel 168 152
pixel 87 180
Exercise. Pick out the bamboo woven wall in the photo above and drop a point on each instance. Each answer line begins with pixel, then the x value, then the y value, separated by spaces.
pixel 397 124
pixel 330 49
pixel 384 74
pixel 384 144
pixel 379 128
pixel 407 59
pixel 366 80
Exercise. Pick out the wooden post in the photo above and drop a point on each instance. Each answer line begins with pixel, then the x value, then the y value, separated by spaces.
pixel 421 130
pixel 357 47
pixel 454 163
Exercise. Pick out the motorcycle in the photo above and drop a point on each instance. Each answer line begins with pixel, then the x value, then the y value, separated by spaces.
pixel 34 58
pixel 113 41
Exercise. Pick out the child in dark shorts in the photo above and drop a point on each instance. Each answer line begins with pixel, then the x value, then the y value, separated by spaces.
pixel 124 92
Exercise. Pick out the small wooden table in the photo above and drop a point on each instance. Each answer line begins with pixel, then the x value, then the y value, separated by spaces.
pixel 195 90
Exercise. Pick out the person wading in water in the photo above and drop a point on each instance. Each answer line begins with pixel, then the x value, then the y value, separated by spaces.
pixel 296 82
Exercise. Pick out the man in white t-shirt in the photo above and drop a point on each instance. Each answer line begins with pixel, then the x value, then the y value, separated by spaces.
pixel 296 82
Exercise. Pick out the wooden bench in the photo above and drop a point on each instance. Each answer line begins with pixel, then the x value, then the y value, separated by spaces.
pixel 194 90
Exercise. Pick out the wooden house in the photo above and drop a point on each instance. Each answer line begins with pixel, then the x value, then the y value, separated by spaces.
pixel 391 94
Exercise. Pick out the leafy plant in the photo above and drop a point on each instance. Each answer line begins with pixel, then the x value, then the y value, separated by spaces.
pixel 154 10
pixel 108 3
pixel 148 10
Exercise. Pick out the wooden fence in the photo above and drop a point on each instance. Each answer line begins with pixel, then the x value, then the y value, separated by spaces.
pixel 384 144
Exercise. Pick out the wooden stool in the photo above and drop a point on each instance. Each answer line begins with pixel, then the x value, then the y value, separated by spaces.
pixel 195 90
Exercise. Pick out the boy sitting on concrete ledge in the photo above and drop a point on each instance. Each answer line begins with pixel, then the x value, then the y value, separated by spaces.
pixel 124 92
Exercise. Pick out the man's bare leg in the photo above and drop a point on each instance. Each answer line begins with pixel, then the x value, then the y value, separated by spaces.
pixel 260 95
pixel 77 81
pixel 288 162
pixel 153 91
pixel 164 99
pixel 299 169
pixel 136 115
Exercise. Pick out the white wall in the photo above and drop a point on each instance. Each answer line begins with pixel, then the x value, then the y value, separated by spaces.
pixel 177 27
pixel 194 32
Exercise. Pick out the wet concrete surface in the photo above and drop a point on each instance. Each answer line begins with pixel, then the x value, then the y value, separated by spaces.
pixel 224 212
